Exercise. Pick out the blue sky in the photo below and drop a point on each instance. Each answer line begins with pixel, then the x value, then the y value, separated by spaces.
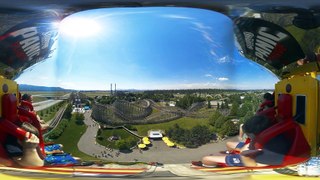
pixel 147 48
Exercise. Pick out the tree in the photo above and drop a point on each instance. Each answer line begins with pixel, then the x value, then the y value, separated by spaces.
pixel 200 135
pixel 177 133
pixel 214 118
pixel 68 112
pixel 209 104
pixel 248 115
pixel 220 121
pixel 246 107
pixel 195 137
pixel 229 129
pixel 222 105
pixel 78 117
pixel 234 108
pixel 188 100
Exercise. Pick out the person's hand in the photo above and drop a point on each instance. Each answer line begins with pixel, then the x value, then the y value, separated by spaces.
pixel 31 140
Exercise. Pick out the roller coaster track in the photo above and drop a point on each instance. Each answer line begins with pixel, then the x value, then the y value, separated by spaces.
pixel 56 120
pixel 133 133
pixel 164 114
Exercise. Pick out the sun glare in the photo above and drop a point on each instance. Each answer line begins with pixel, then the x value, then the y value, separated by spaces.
pixel 79 27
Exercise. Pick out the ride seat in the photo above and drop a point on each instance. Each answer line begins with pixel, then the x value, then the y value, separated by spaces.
pixel 270 113
pixel 9 123
pixel 284 109
pixel 300 149
pixel 9 107
pixel 27 104
pixel 13 119
pixel 28 116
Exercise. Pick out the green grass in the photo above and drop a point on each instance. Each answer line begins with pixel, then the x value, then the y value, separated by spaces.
pixel 201 118
pixel 184 122
pixel 38 99
pixel 106 133
pixel 70 138
pixel 296 32
pixel 51 114
pixel 154 111
pixel 206 111
pixel 47 93
pixel 96 93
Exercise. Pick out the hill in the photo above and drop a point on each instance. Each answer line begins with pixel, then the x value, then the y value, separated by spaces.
pixel 25 87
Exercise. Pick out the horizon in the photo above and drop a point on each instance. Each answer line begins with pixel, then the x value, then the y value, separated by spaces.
pixel 148 89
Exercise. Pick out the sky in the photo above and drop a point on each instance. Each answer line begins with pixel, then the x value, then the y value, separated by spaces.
pixel 148 48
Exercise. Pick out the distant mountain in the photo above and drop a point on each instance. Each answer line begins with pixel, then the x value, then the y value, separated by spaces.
pixel 25 87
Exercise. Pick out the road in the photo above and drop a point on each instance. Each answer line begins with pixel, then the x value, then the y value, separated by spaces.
pixel 38 106
pixel 87 142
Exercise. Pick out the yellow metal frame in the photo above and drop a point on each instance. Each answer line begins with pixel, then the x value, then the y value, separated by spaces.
pixel 7 86
pixel 308 86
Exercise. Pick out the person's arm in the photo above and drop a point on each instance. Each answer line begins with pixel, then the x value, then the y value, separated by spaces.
pixel 251 153
pixel 12 129
pixel 248 157
pixel 241 133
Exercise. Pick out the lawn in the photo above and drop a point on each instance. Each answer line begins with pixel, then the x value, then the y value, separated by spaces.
pixel 200 117
pixel 106 133
pixel 70 138
pixel 296 32
pixel 93 94
pixel 49 113
pixel 38 99
pixel 46 93
pixel 185 122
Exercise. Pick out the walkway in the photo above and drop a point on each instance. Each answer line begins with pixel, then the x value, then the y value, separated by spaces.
pixel 87 142
pixel 158 152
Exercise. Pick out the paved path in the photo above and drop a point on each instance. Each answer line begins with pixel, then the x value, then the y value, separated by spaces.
pixel 158 152
pixel 44 104
pixel 87 142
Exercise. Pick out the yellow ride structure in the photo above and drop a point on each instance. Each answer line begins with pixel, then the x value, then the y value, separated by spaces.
pixel 301 82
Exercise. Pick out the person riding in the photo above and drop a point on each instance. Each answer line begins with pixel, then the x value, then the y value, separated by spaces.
pixel 272 153
pixel 234 147
pixel 26 104
pixel 19 146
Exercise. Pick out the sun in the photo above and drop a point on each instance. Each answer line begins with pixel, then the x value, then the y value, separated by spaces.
pixel 79 27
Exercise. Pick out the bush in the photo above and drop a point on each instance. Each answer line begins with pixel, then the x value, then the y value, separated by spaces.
pixel 122 145
pixel 56 133
pixel 130 127
pixel 229 129
pixel 100 138
pixel 193 138
pixel 79 118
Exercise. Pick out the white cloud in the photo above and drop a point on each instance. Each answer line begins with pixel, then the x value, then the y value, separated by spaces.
pixel 224 59
pixel 207 36
pixel 223 79
pixel 208 75
pixel 174 16
pixel 213 53
pixel 201 26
